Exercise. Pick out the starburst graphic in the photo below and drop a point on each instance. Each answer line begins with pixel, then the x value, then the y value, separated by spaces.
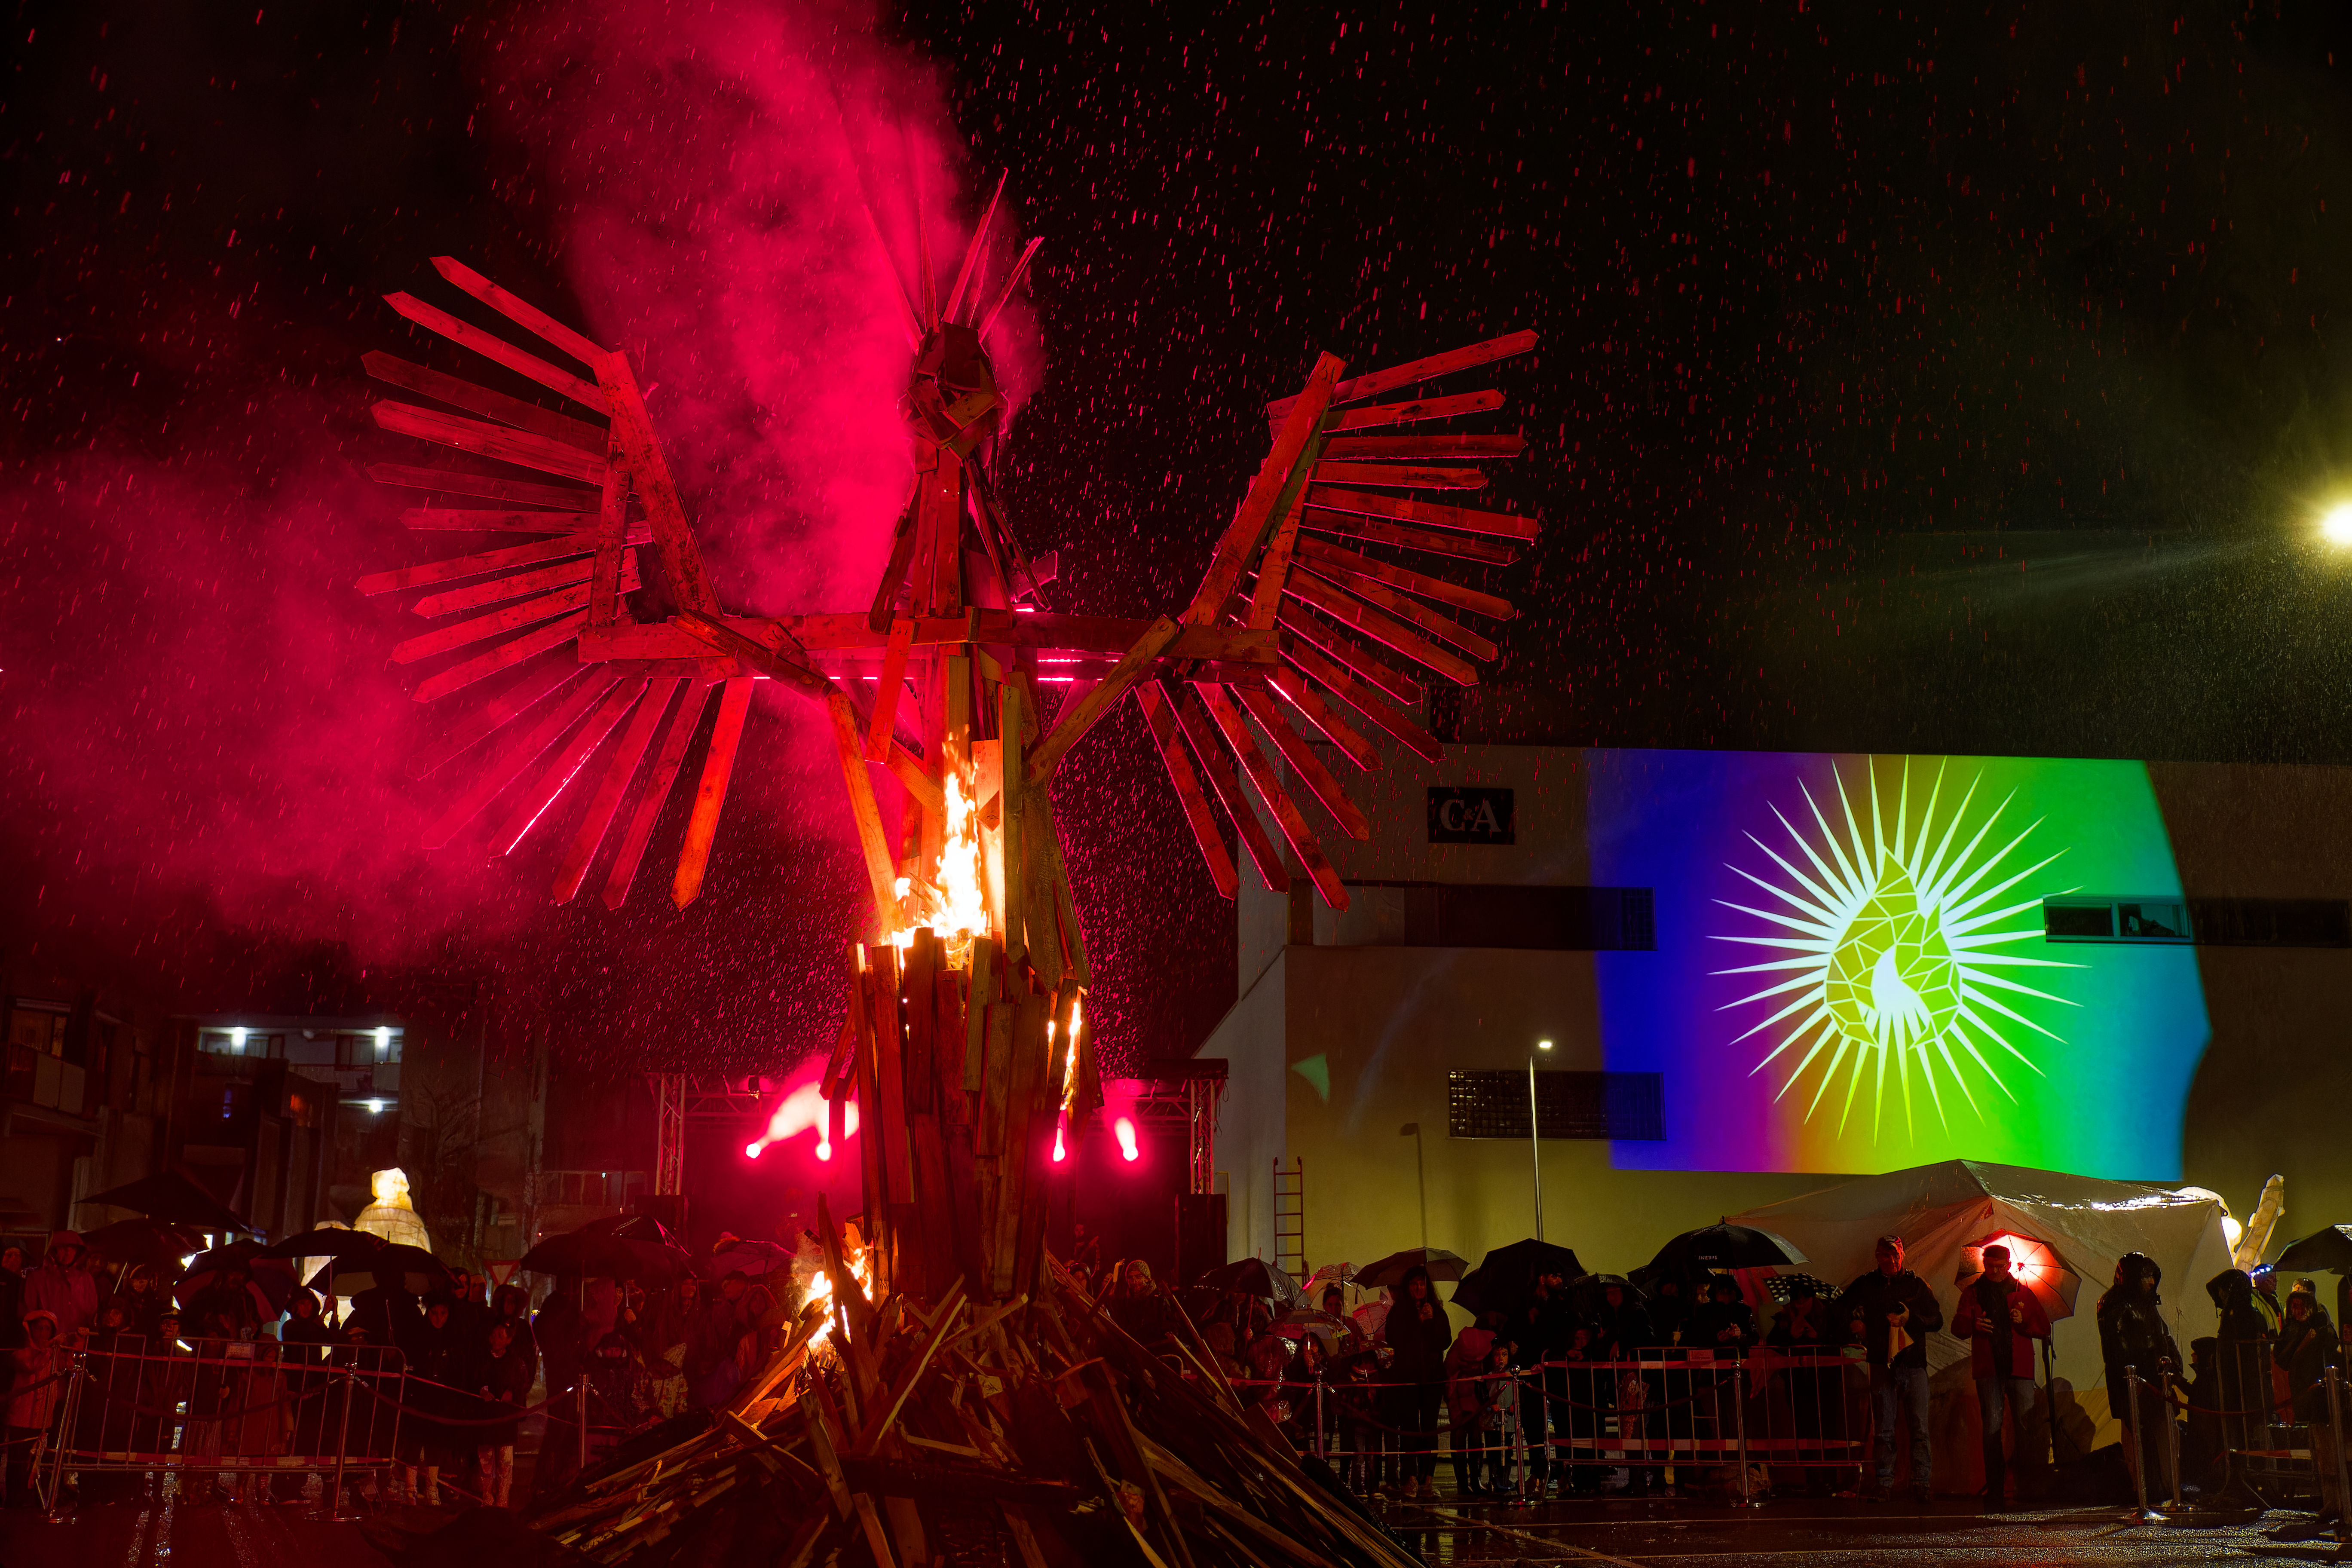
pixel 1890 950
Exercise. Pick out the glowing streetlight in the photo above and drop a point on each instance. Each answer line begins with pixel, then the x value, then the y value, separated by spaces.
pixel 383 1043
pixel 1124 1129
pixel 236 1040
pixel 2335 523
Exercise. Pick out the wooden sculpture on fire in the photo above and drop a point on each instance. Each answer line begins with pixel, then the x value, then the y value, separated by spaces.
pixel 1324 609
pixel 1321 614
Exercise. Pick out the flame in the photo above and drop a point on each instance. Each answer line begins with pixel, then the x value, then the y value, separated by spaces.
pixel 954 905
pixel 1070 1055
pixel 857 1256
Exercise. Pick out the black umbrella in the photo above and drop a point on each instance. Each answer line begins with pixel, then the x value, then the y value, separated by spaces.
pixel 1587 1294
pixel 153 1242
pixel 169 1196
pixel 2327 1251
pixel 328 1242
pixel 1728 1246
pixel 269 1288
pixel 1390 1271
pixel 1785 1286
pixel 632 1228
pixel 604 1256
pixel 1255 1276
pixel 361 1272
pixel 1525 1262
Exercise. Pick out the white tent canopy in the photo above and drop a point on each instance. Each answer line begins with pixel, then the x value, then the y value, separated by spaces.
pixel 1944 1210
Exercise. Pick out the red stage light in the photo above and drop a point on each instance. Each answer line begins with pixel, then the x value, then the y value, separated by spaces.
pixel 1125 1130
pixel 1060 1153
pixel 752 1150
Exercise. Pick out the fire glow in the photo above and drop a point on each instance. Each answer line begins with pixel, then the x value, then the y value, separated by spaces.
pixel 956 906
pixel 803 1109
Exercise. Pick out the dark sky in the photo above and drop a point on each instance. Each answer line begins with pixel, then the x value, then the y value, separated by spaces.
pixel 1927 379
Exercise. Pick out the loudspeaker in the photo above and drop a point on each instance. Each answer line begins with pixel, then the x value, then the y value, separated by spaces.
pixel 1199 1234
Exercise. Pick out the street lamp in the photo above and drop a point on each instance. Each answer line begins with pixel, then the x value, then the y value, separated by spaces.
pixel 1535 1135
pixel 2335 523
pixel 1420 1176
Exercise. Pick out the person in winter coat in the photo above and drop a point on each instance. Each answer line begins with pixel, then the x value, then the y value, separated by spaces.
pixel 1463 1363
pixel 1420 1333
pixel 1498 1397
pixel 1724 1325
pixel 1802 1328
pixel 502 1375
pixel 1621 1327
pixel 1898 1311
pixel 32 1399
pixel 1139 1305
pixel 1670 1308
pixel 439 1361
pixel 2134 1334
pixel 305 1340
pixel 12 1296
pixel 2307 1346
pixel 1540 1329
pixel 62 1286
pixel 1359 1405
pixel 2000 1318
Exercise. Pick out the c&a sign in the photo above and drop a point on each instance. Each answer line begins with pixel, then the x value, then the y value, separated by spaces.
pixel 1471 816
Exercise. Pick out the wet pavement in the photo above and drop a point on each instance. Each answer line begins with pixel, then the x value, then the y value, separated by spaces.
pixel 1797 1533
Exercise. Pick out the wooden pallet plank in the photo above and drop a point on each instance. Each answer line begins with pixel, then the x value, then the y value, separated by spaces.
pixel 1239 544
pixel 458 482
pixel 1435 444
pixel 1403 476
pixel 496 349
pixel 647 811
pixel 475 566
pixel 394 371
pixel 1304 764
pixel 780 663
pixel 506 656
pixel 564 765
pixel 462 519
pixel 511 618
pixel 1365 698
pixel 1329 558
pixel 482 439
pixel 487 718
pixel 1273 567
pixel 605 807
pixel 1011 716
pixel 894 570
pixel 1374 416
pixel 710 795
pixel 633 436
pixel 887 692
pixel 1327 720
pixel 1268 784
pixel 1436 542
pixel 1346 608
pixel 1410 612
pixel 1405 509
pixel 521 313
pixel 1071 725
pixel 611 539
pixel 864 814
pixel 508 764
pixel 1217 764
pixel 520 584
pixel 1162 722
pixel 1372 383
pixel 888 1126
pixel 1367 664
pixel 972 251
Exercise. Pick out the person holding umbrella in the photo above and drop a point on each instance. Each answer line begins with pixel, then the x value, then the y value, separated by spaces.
pixel 2000 1318
pixel 1896 1313
pixel 1420 1333
pixel 62 1286
pixel 2307 1346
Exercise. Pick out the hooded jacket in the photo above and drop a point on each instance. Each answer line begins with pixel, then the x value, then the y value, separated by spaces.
pixel 2306 1350
pixel 68 1293
pixel 2245 1315
pixel 2132 1329
pixel 1420 1345
pixel 2026 1324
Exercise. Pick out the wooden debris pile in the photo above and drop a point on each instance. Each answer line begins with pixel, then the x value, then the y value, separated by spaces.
pixel 951 1394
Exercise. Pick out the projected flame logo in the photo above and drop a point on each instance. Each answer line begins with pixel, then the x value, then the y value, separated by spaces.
pixel 1894 946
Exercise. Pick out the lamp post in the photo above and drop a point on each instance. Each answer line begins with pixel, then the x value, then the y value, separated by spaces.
pixel 1535 1135
pixel 1420 1174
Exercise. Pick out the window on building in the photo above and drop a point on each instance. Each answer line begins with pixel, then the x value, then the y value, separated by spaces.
pixel 37 1026
pixel 1509 915
pixel 1585 1105
pixel 2174 920
pixel 368 1049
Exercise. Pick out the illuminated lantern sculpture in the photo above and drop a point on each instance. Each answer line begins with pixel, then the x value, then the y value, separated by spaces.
pixel 392 1215
pixel 1326 604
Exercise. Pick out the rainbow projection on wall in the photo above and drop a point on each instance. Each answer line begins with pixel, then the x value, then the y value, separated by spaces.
pixel 1850 975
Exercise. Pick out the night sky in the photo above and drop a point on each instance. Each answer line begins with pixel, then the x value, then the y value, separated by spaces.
pixel 1938 380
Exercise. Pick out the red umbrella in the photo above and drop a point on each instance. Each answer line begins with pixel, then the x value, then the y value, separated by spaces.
pixel 2036 1266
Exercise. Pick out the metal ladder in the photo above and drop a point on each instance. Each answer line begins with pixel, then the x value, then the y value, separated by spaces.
pixel 1290 1218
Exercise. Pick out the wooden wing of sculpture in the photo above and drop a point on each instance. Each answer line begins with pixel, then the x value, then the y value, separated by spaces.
pixel 560 507
pixel 1336 551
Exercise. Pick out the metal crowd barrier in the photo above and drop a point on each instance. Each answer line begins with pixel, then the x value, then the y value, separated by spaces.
pixel 223 1407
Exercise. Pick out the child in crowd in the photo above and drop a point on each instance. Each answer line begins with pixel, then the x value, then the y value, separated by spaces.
pixel 1498 1419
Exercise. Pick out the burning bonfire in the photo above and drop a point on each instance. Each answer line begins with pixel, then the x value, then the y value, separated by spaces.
pixel 948 1391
